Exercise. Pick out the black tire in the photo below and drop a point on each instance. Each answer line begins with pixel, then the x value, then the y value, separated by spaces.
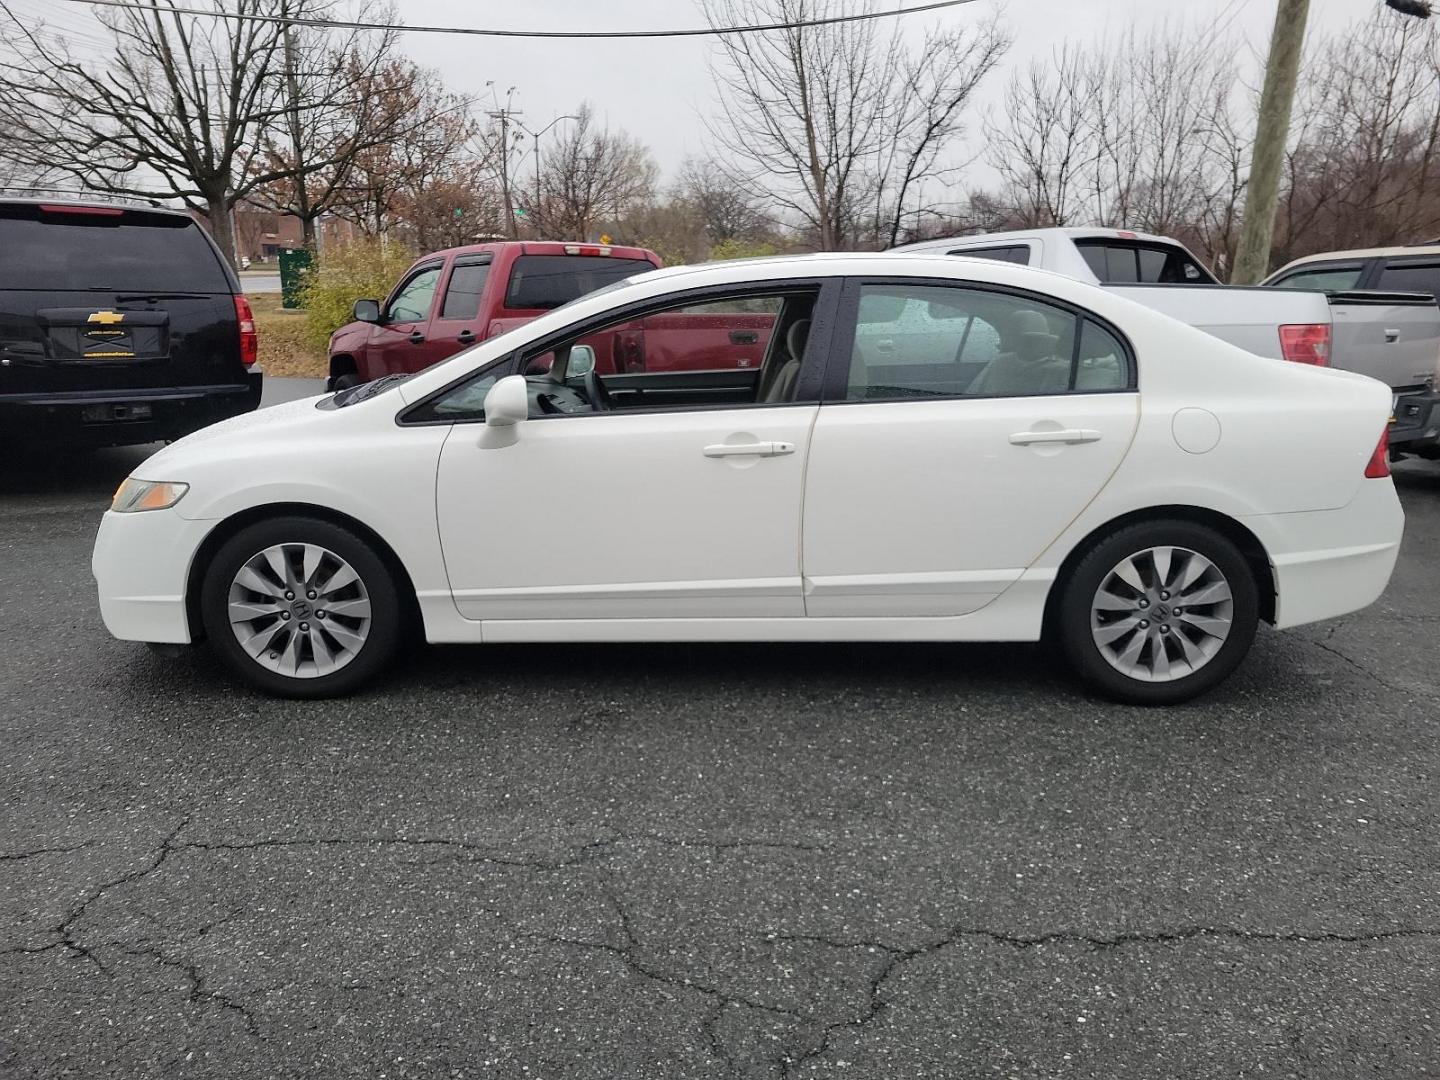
pixel 1073 616
pixel 386 613
pixel 344 382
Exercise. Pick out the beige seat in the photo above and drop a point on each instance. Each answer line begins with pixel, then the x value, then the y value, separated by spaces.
pixel 782 386
pixel 1027 362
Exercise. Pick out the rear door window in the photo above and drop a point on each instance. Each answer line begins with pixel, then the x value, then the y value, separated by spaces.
pixel 548 281
pixel 1411 277
pixel 467 282
pixel 1119 262
pixel 110 250
pixel 1323 278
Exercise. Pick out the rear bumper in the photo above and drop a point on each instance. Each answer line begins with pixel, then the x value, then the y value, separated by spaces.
pixel 141 565
pixel 1417 423
pixel 84 418
pixel 1329 563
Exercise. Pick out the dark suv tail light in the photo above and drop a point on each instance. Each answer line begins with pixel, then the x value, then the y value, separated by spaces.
pixel 249 339
pixel 1306 343
pixel 1379 465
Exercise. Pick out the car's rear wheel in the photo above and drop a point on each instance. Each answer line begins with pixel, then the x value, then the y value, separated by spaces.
pixel 301 607
pixel 1158 612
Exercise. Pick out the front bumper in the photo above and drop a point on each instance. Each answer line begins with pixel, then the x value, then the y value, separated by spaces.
pixel 142 565
pixel 87 419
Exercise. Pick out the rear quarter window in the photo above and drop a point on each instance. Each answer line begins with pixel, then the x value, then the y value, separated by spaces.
pixel 133 251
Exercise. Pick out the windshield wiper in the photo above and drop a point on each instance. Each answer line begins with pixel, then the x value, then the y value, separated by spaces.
pixel 366 390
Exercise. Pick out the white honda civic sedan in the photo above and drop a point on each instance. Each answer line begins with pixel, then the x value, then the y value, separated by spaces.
pixel 821 448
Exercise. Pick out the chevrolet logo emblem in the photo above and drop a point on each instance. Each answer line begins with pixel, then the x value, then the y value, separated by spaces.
pixel 106 318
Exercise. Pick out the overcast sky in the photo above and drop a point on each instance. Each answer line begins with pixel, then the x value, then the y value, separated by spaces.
pixel 658 90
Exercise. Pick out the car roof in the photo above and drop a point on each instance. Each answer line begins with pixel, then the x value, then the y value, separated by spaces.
pixel 540 247
pixel 1016 235
pixel 86 203
pixel 1429 248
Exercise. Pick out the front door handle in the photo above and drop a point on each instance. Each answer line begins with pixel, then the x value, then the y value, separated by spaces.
pixel 1392 336
pixel 1064 435
pixel 744 337
pixel 416 338
pixel 754 449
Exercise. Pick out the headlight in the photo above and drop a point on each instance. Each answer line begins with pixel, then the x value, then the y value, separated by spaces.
pixel 136 494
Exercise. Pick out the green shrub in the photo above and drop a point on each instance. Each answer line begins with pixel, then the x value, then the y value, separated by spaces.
pixel 360 270
pixel 735 248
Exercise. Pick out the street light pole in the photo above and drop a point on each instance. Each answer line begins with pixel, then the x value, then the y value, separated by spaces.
pixel 535 135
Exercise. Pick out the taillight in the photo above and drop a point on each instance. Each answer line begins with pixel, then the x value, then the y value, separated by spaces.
pixel 1306 343
pixel 587 249
pixel 249 339
pixel 1379 465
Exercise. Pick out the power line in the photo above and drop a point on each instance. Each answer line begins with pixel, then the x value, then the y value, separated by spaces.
pixel 709 31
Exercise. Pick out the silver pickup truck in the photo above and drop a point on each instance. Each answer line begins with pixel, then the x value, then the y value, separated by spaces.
pixel 1390 336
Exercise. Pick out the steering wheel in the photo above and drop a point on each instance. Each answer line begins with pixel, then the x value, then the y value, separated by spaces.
pixel 596 392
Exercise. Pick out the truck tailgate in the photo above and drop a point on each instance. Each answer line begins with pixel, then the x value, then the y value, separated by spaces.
pixel 1245 316
pixel 1393 337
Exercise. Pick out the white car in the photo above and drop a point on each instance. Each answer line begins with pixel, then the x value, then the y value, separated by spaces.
pixel 934 449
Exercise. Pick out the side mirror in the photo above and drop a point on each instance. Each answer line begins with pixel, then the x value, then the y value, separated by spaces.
pixel 582 361
pixel 367 311
pixel 508 402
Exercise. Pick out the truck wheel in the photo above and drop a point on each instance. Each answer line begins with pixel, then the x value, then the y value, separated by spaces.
pixel 1158 612
pixel 301 608
pixel 345 382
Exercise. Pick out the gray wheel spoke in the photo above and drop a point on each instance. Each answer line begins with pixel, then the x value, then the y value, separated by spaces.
pixel 296 567
pixel 310 564
pixel 350 609
pixel 1169 646
pixel 1163 560
pixel 256 582
pixel 1214 593
pixel 240 611
pixel 1214 627
pixel 1111 632
pixel 1129 573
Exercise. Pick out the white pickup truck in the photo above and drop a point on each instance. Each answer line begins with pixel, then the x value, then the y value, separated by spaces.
pixel 1390 336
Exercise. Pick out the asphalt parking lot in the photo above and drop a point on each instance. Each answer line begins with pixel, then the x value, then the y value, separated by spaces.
pixel 710 861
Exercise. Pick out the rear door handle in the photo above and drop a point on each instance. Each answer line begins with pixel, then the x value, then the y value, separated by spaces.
pixel 754 449
pixel 744 337
pixel 1065 435
pixel 1392 335
pixel 466 336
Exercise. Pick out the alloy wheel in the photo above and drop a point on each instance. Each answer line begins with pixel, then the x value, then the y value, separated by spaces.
pixel 299 610
pixel 1162 614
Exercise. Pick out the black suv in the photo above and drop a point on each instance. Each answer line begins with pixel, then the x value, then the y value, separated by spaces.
pixel 118 324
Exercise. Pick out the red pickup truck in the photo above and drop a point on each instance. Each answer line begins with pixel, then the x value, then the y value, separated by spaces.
pixel 452 299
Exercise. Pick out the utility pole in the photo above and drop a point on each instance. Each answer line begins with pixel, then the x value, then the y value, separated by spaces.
pixel 1272 131
pixel 503 116
pixel 297 133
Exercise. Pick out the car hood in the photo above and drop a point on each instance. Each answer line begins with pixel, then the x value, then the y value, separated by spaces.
pixel 218 439
pixel 350 336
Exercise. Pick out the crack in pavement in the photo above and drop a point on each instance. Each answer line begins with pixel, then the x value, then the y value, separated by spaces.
pixel 35 853
pixel 199 994
pixel 900 956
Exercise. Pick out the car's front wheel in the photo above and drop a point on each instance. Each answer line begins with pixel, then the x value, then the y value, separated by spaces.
pixel 301 607
pixel 1158 612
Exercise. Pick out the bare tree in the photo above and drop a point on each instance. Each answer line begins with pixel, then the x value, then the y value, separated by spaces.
pixel 837 125
pixel 179 105
pixel 726 210
pixel 1365 152
pixel 343 97
pixel 593 176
